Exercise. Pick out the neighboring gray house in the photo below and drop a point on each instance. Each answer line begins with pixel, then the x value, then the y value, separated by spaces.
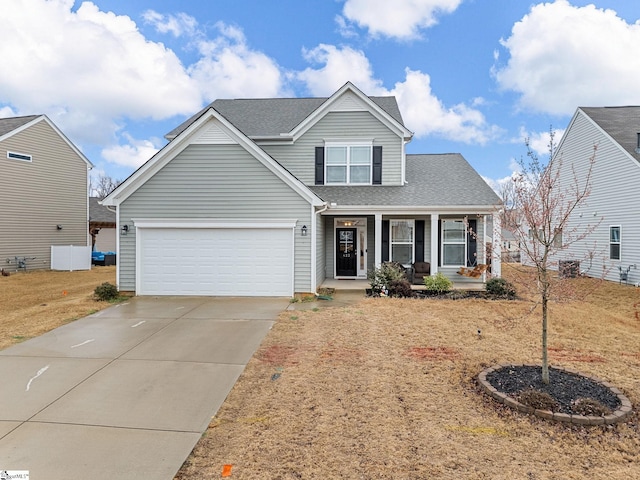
pixel 614 201
pixel 273 196
pixel 102 227
pixel 43 192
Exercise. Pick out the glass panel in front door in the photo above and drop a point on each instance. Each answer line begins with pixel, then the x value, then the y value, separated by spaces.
pixel 346 243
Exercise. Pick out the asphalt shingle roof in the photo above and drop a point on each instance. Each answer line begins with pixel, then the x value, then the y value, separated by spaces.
pixel 622 123
pixel 432 180
pixel 10 124
pixel 99 213
pixel 258 117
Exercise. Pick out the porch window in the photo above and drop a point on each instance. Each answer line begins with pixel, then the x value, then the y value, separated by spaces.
pixel 454 243
pixel 348 164
pixel 402 239
pixel 614 243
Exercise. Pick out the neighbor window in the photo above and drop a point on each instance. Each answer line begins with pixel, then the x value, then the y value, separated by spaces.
pixel 557 238
pixel 402 238
pixel 19 156
pixel 614 243
pixel 348 164
pixel 454 242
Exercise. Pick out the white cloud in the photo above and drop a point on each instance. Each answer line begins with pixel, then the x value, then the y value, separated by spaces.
pixel 539 141
pixel 228 68
pixel 423 112
pixel 87 68
pixel 562 57
pixel 133 154
pixel 6 112
pixel 401 19
pixel 337 67
pixel 178 25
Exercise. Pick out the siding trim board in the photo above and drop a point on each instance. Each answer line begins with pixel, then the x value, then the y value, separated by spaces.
pixel 212 223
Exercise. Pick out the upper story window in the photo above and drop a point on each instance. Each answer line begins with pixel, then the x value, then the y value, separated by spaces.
pixel 19 156
pixel 614 243
pixel 348 163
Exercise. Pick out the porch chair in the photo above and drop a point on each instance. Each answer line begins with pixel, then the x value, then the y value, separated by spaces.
pixel 420 270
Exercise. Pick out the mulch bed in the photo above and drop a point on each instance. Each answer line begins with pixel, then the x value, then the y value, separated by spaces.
pixel 566 388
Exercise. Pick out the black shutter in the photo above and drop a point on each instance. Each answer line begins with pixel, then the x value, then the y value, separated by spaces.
pixel 385 240
pixel 319 165
pixel 472 243
pixel 377 165
pixel 419 247
pixel 439 259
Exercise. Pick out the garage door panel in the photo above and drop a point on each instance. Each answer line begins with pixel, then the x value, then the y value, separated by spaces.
pixel 216 261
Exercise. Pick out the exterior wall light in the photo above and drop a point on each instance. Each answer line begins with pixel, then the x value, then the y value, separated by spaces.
pixel 59 227
pixel 124 229
pixel 304 230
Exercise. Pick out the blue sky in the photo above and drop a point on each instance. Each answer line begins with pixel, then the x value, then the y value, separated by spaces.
pixel 470 76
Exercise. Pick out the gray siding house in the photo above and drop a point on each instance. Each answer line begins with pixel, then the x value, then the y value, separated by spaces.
pixel 613 206
pixel 274 196
pixel 43 192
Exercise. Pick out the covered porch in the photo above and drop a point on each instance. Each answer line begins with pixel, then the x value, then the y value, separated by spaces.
pixel 354 243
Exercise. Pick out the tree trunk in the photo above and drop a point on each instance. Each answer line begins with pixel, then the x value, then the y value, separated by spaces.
pixel 545 357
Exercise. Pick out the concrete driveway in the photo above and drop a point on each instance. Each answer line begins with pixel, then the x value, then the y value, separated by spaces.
pixel 127 392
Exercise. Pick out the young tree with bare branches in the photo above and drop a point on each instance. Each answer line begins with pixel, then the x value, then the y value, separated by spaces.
pixel 544 197
pixel 102 186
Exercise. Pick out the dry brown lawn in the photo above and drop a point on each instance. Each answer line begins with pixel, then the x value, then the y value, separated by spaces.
pixel 33 303
pixel 386 389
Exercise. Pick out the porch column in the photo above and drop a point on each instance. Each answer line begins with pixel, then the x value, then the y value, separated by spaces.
pixel 434 243
pixel 378 241
pixel 496 247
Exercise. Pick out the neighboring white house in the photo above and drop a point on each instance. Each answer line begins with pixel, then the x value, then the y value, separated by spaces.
pixel 613 205
pixel 43 192
pixel 270 197
pixel 102 227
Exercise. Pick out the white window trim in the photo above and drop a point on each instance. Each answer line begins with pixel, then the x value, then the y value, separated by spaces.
pixel 619 242
pixel 413 238
pixel 348 143
pixel 463 242
pixel 16 156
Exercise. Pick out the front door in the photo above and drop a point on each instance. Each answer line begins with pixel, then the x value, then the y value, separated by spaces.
pixel 346 252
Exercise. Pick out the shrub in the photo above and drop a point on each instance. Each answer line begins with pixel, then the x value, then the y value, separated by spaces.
pixel 500 287
pixel 400 289
pixel 538 400
pixel 106 292
pixel 438 283
pixel 381 278
pixel 590 407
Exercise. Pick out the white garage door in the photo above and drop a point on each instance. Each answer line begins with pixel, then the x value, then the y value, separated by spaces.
pixel 215 261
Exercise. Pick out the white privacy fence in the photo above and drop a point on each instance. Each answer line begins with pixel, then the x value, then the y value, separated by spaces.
pixel 70 257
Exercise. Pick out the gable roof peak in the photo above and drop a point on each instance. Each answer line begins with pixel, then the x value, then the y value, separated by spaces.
pixel 278 116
